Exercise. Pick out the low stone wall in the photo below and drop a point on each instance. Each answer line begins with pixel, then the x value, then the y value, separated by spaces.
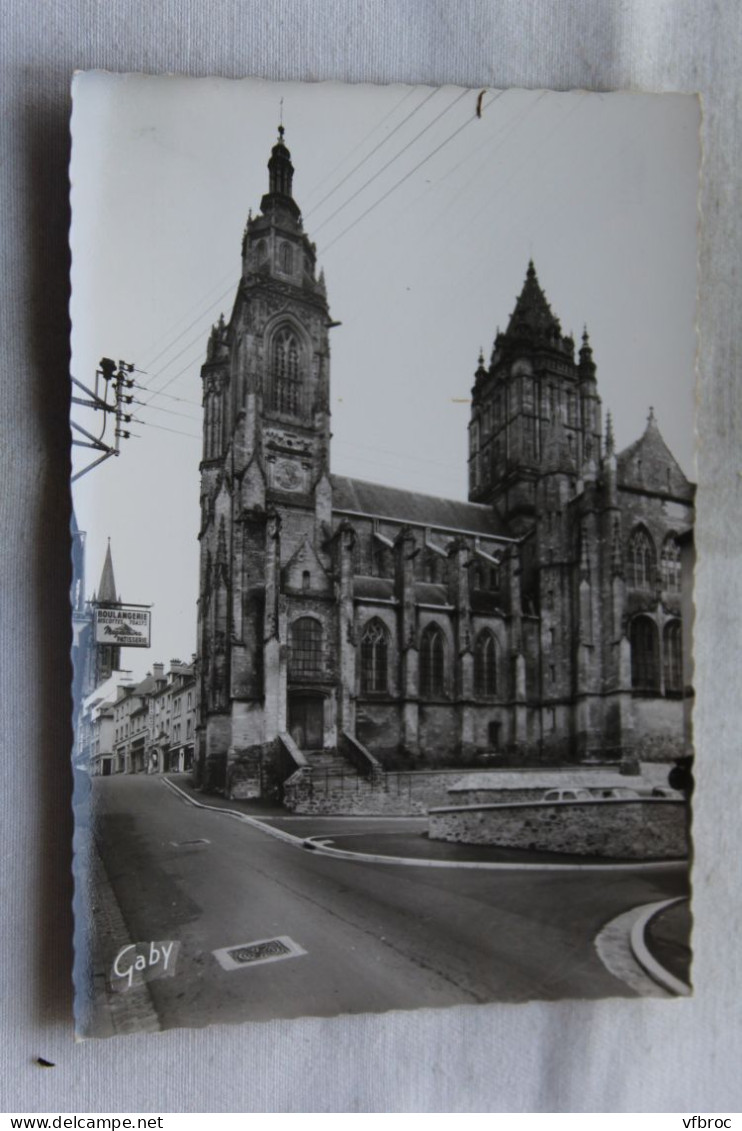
pixel 415 793
pixel 365 802
pixel 396 795
pixel 645 829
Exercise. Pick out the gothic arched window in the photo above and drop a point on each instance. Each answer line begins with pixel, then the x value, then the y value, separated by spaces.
pixel 374 657
pixel 670 564
pixel 485 664
pixel 673 655
pixel 261 251
pixel 286 373
pixel 645 655
pixel 640 560
pixel 432 661
pixel 306 647
pixel 287 258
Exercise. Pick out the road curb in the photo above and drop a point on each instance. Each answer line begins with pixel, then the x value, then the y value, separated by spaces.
pixel 646 959
pixel 255 822
pixel 315 844
pixel 486 865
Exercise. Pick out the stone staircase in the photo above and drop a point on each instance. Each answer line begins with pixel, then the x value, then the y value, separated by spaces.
pixel 345 779
pixel 330 764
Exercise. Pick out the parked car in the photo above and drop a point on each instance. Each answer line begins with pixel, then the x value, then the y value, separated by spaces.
pixel 618 793
pixel 567 795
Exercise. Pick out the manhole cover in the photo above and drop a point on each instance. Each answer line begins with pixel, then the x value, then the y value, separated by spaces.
pixel 274 948
pixel 257 952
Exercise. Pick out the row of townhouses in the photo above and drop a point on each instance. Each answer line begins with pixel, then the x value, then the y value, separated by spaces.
pixel 140 728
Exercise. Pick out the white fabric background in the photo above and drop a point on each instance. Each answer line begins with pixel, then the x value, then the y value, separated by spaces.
pixel 608 1056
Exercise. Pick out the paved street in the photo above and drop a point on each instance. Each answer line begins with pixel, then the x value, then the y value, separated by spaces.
pixel 376 936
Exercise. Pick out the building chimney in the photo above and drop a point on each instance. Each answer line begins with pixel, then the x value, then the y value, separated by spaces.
pixel 158 670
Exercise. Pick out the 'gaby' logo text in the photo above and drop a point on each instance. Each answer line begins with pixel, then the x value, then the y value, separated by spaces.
pixel 143 962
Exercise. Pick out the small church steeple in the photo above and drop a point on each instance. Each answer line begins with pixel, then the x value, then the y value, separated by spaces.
pixel 280 168
pixel 107 588
pixel 105 658
pixel 280 179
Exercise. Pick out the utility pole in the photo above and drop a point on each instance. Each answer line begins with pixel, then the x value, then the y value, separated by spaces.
pixel 107 396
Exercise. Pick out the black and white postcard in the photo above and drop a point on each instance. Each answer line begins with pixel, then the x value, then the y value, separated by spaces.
pixel 383 553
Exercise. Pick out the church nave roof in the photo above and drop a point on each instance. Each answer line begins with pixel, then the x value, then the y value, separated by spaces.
pixel 403 506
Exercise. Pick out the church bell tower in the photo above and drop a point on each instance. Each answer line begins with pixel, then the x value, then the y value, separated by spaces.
pixel 265 470
pixel 533 383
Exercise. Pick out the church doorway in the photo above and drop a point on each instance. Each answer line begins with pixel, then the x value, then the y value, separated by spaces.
pixel 306 725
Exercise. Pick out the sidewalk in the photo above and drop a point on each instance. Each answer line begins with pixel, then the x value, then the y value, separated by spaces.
pixel 107 1013
pixel 667 938
pixel 254 808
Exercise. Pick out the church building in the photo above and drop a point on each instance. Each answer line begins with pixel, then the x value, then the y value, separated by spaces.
pixel 539 622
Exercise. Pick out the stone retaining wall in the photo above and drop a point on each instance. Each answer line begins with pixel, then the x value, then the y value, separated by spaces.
pixel 397 795
pixel 646 829
pixel 415 793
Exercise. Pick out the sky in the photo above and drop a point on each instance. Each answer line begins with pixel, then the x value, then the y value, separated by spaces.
pixel 425 216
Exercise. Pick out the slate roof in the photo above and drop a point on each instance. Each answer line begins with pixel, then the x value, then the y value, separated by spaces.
pixel 648 464
pixel 427 593
pixel 378 501
pixel 147 685
pixel 373 587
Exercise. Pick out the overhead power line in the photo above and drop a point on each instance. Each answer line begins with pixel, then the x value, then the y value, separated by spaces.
pixel 406 177
pixel 214 303
pixel 159 392
pixel 328 176
pixel 186 314
pixel 492 152
pixel 391 161
pixel 155 392
pixel 203 310
pixel 169 411
pixel 376 148
pixel 197 340
pixel 169 396
pixel 163 428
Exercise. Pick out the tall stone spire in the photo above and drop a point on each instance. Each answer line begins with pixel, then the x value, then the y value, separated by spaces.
pixel 107 587
pixel 532 316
